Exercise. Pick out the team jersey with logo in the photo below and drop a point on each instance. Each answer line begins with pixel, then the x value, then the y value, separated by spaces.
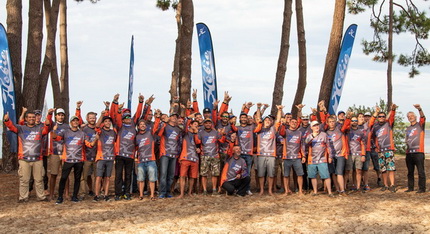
pixel 74 145
pixel 280 144
pixel 338 140
pixel 29 140
pixel 356 139
pixel 319 148
pixel 125 141
pixel 383 133
pixel 145 146
pixel 189 148
pixel 90 153
pixel 169 140
pixel 228 131
pixel 293 144
pixel 210 142
pixel 266 142
pixel 106 144
pixel 232 168
pixel 415 137
pixel 245 137
pixel 56 146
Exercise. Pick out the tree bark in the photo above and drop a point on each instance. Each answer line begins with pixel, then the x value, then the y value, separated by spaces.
pixel 175 73
pixel 333 51
pixel 390 58
pixel 278 90
pixel 34 51
pixel 187 16
pixel 64 79
pixel 49 65
pixel 301 85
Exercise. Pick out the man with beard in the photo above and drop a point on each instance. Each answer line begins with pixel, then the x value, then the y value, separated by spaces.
pixel 235 178
pixel 357 153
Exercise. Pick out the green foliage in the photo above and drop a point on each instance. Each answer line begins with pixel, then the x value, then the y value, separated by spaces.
pixel 166 4
pixel 407 18
pixel 399 129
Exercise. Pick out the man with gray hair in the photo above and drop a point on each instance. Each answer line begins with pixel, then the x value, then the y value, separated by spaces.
pixel 415 149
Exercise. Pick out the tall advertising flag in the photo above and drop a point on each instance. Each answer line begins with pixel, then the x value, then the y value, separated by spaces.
pixel 342 66
pixel 208 65
pixel 7 87
pixel 131 74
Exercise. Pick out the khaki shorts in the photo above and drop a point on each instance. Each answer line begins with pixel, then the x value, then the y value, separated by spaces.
pixel 55 164
pixel 208 163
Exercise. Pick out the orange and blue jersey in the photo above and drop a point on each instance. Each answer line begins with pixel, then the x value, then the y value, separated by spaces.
pixel 415 137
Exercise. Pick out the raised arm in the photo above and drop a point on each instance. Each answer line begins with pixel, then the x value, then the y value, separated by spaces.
pixel 78 111
pixel 21 120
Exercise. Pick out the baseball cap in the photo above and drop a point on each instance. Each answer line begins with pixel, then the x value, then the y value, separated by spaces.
pixel 305 117
pixel 73 118
pixel 206 110
pixel 313 123
pixel 126 110
pixel 340 112
pixel 243 113
pixel 367 114
pixel 106 117
pixel 207 120
pixel 174 114
pixel 125 115
pixel 37 112
pixel 59 111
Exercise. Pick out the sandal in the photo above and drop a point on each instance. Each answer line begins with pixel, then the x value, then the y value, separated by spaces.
pixel 141 198
pixel 153 198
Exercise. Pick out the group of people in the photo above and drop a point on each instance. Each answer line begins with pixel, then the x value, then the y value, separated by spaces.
pixel 185 147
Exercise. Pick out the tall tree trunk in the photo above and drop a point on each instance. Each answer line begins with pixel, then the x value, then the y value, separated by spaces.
pixel 333 51
pixel 278 90
pixel 187 15
pixel 390 58
pixel 301 85
pixel 49 65
pixel 14 35
pixel 175 73
pixel 34 51
pixel 64 80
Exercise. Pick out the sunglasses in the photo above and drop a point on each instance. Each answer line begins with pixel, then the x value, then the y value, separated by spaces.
pixel 381 116
pixel 354 120
pixel 225 116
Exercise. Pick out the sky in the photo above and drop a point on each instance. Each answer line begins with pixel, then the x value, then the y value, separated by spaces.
pixel 246 38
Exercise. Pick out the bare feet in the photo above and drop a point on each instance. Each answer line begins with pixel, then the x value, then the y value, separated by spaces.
pixel 180 196
pixel 270 193
pixel 261 193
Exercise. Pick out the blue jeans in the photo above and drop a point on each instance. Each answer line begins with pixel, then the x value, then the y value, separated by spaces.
pixel 167 173
pixel 248 160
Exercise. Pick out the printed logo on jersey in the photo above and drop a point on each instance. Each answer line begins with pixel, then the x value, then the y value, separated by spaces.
pixel 32 135
pixel 73 141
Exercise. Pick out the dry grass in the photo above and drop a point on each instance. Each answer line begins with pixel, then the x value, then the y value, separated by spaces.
pixel 375 212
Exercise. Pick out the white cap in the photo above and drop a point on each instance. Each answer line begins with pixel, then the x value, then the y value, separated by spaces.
pixel 60 110
pixel 367 114
pixel 313 123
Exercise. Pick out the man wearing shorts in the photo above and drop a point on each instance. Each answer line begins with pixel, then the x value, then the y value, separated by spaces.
pixel 382 132
pixel 29 154
pixel 209 139
pixel 235 178
pixel 56 150
pixel 415 150
pixel 319 154
pixel 147 167
pixel 357 152
pixel 105 155
pixel 189 158
pixel 293 155
pixel 73 156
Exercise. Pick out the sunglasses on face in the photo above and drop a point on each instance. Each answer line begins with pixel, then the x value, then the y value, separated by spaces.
pixel 354 120
pixel 381 116
pixel 225 116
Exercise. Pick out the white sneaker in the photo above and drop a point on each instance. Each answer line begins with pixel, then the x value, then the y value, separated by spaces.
pixel 249 192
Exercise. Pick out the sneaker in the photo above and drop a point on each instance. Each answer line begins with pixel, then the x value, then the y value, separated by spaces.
pixel 23 200
pixel 366 188
pixel 146 193
pixel 379 182
pixel 91 193
pixel 44 200
pixel 96 199
pixel 162 196
pixel 117 198
pixel 282 190
pixel 384 188
pixel 127 197
pixel 107 198
pixel 331 195
pixel 169 196
pixel 421 191
pixel 215 193
pixel 75 199
pixel 205 193
pixel 409 190
pixel 249 193
pixel 59 200
pixel 392 189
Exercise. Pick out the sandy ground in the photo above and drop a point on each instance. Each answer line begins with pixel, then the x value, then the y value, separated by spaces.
pixel 374 212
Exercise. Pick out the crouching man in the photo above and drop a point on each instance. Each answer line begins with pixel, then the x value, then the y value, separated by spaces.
pixel 235 178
